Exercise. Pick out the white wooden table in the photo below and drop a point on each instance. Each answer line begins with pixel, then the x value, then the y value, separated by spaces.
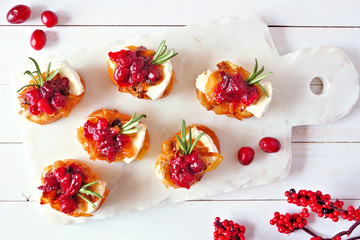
pixel 325 157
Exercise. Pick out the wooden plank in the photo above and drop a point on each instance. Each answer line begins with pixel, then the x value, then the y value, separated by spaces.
pixel 314 166
pixel 63 39
pixel 189 220
pixel 122 12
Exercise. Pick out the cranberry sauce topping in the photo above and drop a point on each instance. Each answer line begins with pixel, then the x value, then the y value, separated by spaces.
pixel 235 89
pixel 65 182
pixel 49 97
pixel 134 67
pixel 107 137
pixel 183 169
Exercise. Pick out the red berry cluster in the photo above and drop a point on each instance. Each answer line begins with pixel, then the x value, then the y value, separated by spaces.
pixel 322 205
pixel 290 222
pixel 227 229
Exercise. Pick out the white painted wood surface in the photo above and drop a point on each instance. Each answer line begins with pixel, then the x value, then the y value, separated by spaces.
pixel 325 157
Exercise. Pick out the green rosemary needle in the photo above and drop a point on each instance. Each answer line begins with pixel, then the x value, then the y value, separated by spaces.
pixel 84 189
pixel 132 126
pixel 40 80
pixel 161 55
pixel 186 147
pixel 255 77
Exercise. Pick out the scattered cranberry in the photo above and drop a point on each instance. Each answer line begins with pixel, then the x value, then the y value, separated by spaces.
pixel 183 169
pixel 270 145
pixel 246 155
pixel 235 89
pixel 108 140
pixel 18 14
pixel 38 39
pixel 228 230
pixel 49 18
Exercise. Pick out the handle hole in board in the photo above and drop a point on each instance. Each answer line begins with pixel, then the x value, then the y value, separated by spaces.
pixel 317 86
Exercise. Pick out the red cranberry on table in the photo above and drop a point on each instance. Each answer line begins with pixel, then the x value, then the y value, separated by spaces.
pixel 38 39
pixel 49 18
pixel 246 155
pixel 18 14
pixel 270 145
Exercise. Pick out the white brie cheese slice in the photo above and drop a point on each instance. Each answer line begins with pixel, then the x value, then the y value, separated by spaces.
pixel 201 81
pixel 205 139
pixel 263 103
pixel 100 189
pixel 138 142
pixel 156 91
pixel 66 70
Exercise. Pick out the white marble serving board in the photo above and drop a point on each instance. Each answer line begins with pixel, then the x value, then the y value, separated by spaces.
pixel 240 40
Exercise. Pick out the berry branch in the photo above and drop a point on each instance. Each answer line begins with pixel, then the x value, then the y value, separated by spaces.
pixel 318 203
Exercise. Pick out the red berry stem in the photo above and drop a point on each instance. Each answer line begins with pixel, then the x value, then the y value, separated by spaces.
pixel 335 237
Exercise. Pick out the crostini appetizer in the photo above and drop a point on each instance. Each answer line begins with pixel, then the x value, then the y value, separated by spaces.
pixel 142 72
pixel 51 95
pixel 114 137
pixel 71 187
pixel 187 156
pixel 233 91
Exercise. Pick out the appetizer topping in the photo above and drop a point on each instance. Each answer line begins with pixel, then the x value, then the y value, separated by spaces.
pixel 49 18
pixel 233 91
pixel 236 89
pixel 187 164
pixel 270 145
pixel 66 185
pixel 139 65
pixel 110 138
pixel 38 39
pixel 18 14
pixel 45 94
pixel 246 155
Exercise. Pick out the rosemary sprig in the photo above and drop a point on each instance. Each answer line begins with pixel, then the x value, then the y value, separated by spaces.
pixel 186 147
pixel 39 81
pixel 84 189
pixel 161 55
pixel 132 126
pixel 255 77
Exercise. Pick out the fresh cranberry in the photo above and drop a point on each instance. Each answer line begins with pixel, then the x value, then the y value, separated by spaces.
pixel 89 129
pixel 38 39
pixel 246 155
pixel 121 74
pixel 18 14
pixel 183 169
pixel 49 18
pixel 33 96
pixel 74 168
pixel 45 94
pixel 270 145
pixel 58 101
pixel 136 78
pixel 44 106
pixel 48 86
pixel 68 205
pixel 34 110
pixel 102 123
